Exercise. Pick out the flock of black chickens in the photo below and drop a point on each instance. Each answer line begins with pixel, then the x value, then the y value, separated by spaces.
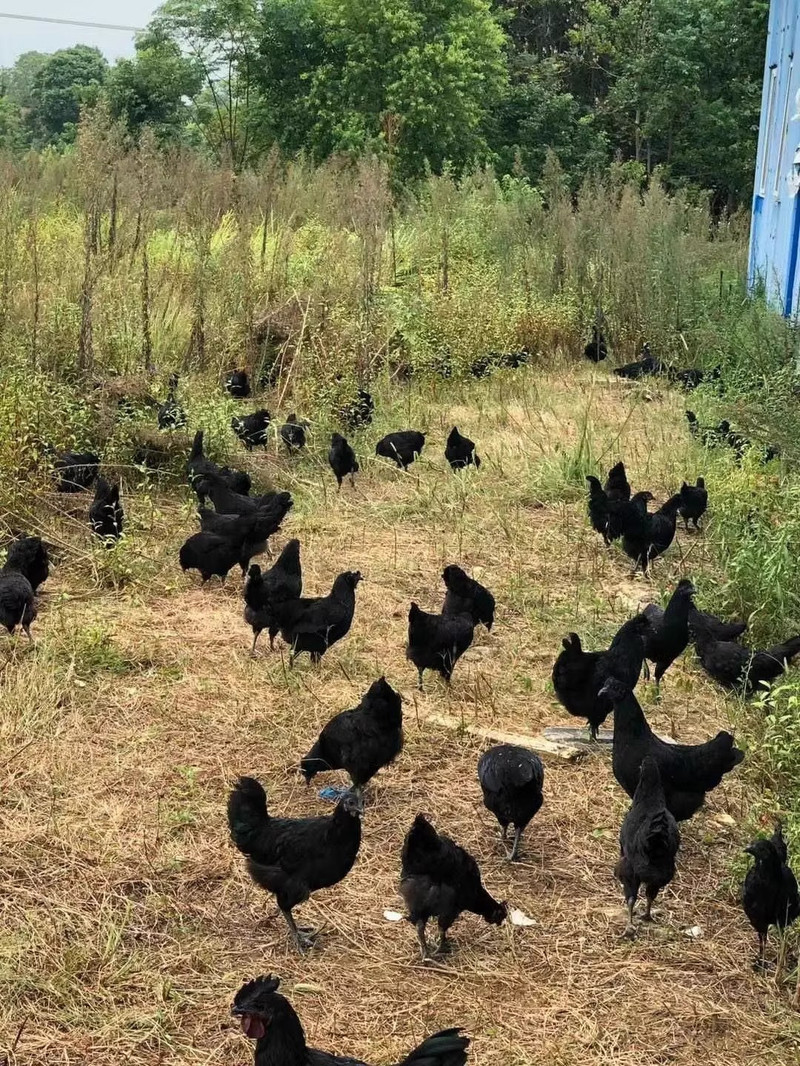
pixel 291 858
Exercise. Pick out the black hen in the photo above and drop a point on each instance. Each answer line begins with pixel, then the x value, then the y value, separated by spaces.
pixel 293 433
pixel 648 366
pixel 440 880
pixel 628 516
pixel 358 413
pixel 598 506
pixel 648 842
pixel 617 487
pixel 596 350
pixel 770 895
pixel 342 460
pixel 29 556
pixel 75 471
pixel 732 665
pixel 402 447
pixel 667 635
pixel 688 771
pixel 228 501
pixel 314 625
pixel 17 607
pixel 715 627
pixel 293 857
pixel 200 470
pixel 237 384
pixel 269 1018
pixel 651 534
pixel 460 451
pixel 437 641
pixel 264 593
pixel 465 595
pixel 210 554
pixel 361 741
pixel 511 779
pixel 251 532
pixel 578 675
pixel 106 516
pixel 237 480
pixel 694 502
pixel 252 430
pixel 170 414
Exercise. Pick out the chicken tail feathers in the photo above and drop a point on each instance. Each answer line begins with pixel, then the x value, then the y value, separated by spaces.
pixel 247 813
pixel 786 652
pixel 448 1048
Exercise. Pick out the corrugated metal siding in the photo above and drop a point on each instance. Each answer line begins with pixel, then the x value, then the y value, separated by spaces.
pixel 775 230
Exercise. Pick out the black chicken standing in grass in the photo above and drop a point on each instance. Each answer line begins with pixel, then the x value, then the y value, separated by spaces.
pixel 170 414
pixel 293 433
pixel 106 516
pixel 237 383
pixel 402 447
pixel 598 507
pixel 269 1018
pixel 460 451
pixel 769 894
pixel 361 741
pixel 314 624
pixel 579 676
pixel 649 842
pixel 210 554
pixel 440 880
pixel 694 503
pixel 688 771
pixel 511 779
pixel 437 641
pixel 734 666
pixel 293 857
pixel 252 430
pixel 29 556
pixel 667 634
pixel 617 488
pixel 264 593
pixel 465 595
pixel 17 607
pixel 342 460
pixel 650 535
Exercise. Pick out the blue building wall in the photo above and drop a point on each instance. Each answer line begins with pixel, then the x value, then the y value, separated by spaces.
pixel 775 228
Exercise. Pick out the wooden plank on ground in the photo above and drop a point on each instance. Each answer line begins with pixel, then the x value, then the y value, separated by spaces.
pixel 558 747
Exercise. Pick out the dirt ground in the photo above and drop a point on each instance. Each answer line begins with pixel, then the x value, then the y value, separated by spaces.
pixel 128 920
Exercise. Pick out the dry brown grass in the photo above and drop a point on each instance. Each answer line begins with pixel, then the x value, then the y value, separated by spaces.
pixel 128 920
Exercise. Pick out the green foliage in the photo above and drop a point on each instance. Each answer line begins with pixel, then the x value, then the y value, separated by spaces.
pixel 150 89
pixel 68 80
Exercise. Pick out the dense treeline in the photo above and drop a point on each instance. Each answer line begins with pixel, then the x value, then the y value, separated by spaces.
pixel 637 84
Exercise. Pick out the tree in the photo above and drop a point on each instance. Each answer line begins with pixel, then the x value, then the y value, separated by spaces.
pixel 68 80
pixel 19 79
pixel 150 89
pixel 436 66
pixel 220 36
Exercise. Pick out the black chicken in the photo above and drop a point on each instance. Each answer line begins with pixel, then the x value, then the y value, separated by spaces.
pixel 650 535
pixel 465 595
pixel 75 471
pixel 617 487
pixel 402 447
pixel 17 607
pixel 598 507
pixel 769 894
pixel 511 779
pixel 460 451
pixel 237 384
pixel 358 413
pixel 252 430
pixel 293 433
pixel 170 414
pixel 440 880
pixel 342 460
pixel 269 1018
pixel 648 365
pixel 628 515
pixel 29 556
pixel 437 641
pixel 694 503
pixel 264 593
pixel 596 350
pixel 293 857
pixel 210 554
pixel 732 666
pixel 688 771
pixel 251 532
pixel 648 842
pixel 227 501
pixel 579 676
pixel 200 470
pixel 106 516
pixel 361 741
pixel 715 627
pixel 313 625
pixel 667 634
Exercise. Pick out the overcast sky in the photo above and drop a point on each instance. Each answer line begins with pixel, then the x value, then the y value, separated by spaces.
pixel 17 37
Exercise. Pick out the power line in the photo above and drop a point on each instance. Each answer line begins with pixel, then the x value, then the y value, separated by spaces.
pixel 71 22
